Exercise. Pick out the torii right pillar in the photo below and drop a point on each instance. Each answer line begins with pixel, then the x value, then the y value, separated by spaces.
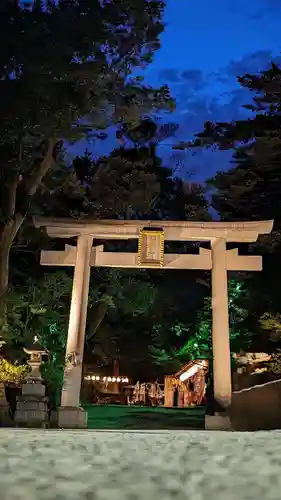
pixel 222 261
pixel 220 324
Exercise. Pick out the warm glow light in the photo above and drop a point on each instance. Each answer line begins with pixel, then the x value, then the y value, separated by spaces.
pixel 190 372
pixel 107 379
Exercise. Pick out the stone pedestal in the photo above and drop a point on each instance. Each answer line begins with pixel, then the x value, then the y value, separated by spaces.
pixel 217 422
pixel 70 417
pixel 5 417
pixel 32 406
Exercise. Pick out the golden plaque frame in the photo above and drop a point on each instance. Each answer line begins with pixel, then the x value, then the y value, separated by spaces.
pixel 151 248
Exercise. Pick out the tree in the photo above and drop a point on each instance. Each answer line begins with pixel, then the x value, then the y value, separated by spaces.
pixel 36 308
pixel 195 341
pixel 130 182
pixel 275 364
pixel 40 307
pixel 122 185
pixel 121 301
pixel 258 134
pixel 116 295
pixel 250 190
pixel 80 82
pixel 12 373
pixel 271 323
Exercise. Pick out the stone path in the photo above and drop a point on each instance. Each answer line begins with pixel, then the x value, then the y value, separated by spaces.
pixel 90 465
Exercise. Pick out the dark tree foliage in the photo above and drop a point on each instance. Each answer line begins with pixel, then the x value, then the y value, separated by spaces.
pixel 129 183
pixel 251 189
pixel 65 71
pixel 124 305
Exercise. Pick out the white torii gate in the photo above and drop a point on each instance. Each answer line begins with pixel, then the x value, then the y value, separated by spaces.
pixel 151 236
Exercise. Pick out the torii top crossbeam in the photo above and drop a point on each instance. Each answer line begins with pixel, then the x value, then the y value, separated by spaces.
pixel 173 230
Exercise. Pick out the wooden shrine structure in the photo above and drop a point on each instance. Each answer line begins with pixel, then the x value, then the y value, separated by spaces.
pixel 151 236
pixel 187 387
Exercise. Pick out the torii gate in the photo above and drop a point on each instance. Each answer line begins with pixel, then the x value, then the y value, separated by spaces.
pixel 151 236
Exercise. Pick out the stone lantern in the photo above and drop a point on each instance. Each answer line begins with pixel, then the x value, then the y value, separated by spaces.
pixel 32 405
pixel 36 352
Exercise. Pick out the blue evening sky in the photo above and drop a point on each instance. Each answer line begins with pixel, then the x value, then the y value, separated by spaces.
pixel 205 46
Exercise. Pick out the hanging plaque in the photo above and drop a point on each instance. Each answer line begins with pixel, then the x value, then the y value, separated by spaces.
pixel 151 248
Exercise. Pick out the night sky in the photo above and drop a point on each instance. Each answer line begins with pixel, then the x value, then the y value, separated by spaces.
pixel 205 46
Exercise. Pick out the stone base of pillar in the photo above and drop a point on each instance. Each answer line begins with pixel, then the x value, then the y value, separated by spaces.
pixel 5 416
pixel 72 417
pixel 217 422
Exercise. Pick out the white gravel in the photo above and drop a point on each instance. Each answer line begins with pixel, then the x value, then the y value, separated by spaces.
pixel 91 465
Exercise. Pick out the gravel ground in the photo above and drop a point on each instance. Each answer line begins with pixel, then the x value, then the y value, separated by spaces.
pixel 164 465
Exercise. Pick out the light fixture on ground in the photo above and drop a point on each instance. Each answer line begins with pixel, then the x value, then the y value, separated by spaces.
pixel 96 378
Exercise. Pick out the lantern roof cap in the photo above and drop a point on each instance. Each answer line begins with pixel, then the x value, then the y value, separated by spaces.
pixel 35 347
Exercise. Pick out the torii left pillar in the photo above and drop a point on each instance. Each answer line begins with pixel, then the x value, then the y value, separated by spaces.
pixel 70 413
pixel 220 324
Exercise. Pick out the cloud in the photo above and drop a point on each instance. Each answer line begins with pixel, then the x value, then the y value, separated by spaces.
pixel 258 10
pixel 169 75
pixel 270 6
pixel 250 63
pixel 201 97
pixel 211 97
pixel 218 95
pixel 192 78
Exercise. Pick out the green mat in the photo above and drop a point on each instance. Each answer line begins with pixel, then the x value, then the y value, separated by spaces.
pixel 136 417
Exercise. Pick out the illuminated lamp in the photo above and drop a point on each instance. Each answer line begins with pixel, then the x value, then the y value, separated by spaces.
pixel 113 379
pixel 118 379
pixel 97 378
pixel 191 371
pixel 109 379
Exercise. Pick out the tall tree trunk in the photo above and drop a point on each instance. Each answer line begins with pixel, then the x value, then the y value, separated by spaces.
pixel 4 270
pixel 7 235
pixel 10 228
pixel 4 277
pixel 96 319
